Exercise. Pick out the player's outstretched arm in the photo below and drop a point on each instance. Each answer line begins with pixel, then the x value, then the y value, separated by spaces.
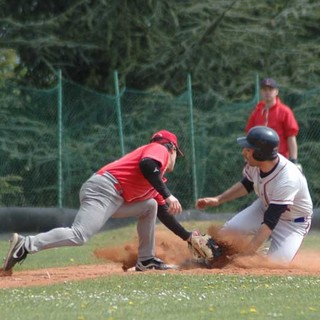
pixel 236 191
pixel 256 242
pixel 172 223
pixel 207 202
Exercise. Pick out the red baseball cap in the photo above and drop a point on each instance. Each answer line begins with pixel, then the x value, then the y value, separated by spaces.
pixel 164 136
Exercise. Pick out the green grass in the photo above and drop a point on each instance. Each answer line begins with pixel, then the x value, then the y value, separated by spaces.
pixel 167 296
pixel 161 295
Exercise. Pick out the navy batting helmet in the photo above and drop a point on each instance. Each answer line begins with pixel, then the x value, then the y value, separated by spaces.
pixel 263 140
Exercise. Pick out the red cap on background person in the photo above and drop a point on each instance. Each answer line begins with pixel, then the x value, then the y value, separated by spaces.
pixel 164 136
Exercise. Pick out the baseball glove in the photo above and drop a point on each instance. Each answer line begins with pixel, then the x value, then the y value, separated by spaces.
pixel 203 246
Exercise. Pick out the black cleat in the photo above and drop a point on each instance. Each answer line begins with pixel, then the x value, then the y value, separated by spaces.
pixel 154 264
pixel 17 252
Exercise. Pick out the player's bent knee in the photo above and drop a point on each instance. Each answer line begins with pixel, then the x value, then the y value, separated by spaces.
pixel 153 204
pixel 80 238
pixel 151 207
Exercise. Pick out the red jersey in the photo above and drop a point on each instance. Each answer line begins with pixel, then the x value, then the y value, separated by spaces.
pixel 134 186
pixel 280 118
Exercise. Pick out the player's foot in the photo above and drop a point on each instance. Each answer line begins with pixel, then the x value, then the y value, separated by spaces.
pixel 153 264
pixel 17 252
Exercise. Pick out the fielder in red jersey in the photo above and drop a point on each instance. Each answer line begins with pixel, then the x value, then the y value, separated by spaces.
pixel 132 186
pixel 132 183
pixel 271 112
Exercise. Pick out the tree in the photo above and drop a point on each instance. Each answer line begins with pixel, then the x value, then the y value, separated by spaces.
pixel 8 182
pixel 223 44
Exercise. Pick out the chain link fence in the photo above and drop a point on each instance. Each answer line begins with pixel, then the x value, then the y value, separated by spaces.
pixel 52 140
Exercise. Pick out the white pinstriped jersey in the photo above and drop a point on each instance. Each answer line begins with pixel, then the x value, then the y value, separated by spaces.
pixel 285 185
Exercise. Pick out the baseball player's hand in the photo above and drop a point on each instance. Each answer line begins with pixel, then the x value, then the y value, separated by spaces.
pixel 207 202
pixel 174 205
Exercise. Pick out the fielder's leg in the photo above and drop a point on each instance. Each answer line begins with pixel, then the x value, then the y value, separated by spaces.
pixel 146 212
pixel 99 200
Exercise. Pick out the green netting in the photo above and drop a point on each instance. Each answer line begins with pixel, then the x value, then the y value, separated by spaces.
pixel 34 173
pixel 28 146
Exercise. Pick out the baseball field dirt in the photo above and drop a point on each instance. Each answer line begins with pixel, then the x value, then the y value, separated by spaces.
pixel 169 248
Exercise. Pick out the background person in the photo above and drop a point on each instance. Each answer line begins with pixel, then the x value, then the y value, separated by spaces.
pixel 283 209
pixel 271 112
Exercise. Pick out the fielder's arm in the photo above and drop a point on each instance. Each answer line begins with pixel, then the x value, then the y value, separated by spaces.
pixel 172 223
pixel 150 169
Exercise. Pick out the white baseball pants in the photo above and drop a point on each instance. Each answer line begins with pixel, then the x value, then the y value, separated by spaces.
pixel 286 237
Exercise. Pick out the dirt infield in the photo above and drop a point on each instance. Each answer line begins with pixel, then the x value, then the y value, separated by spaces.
pixel 172 250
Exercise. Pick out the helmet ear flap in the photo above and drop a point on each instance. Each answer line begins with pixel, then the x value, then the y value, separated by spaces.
pixel 258 155
pixel 263 155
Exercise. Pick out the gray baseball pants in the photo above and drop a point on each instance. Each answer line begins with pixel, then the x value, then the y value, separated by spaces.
pixel 99 200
